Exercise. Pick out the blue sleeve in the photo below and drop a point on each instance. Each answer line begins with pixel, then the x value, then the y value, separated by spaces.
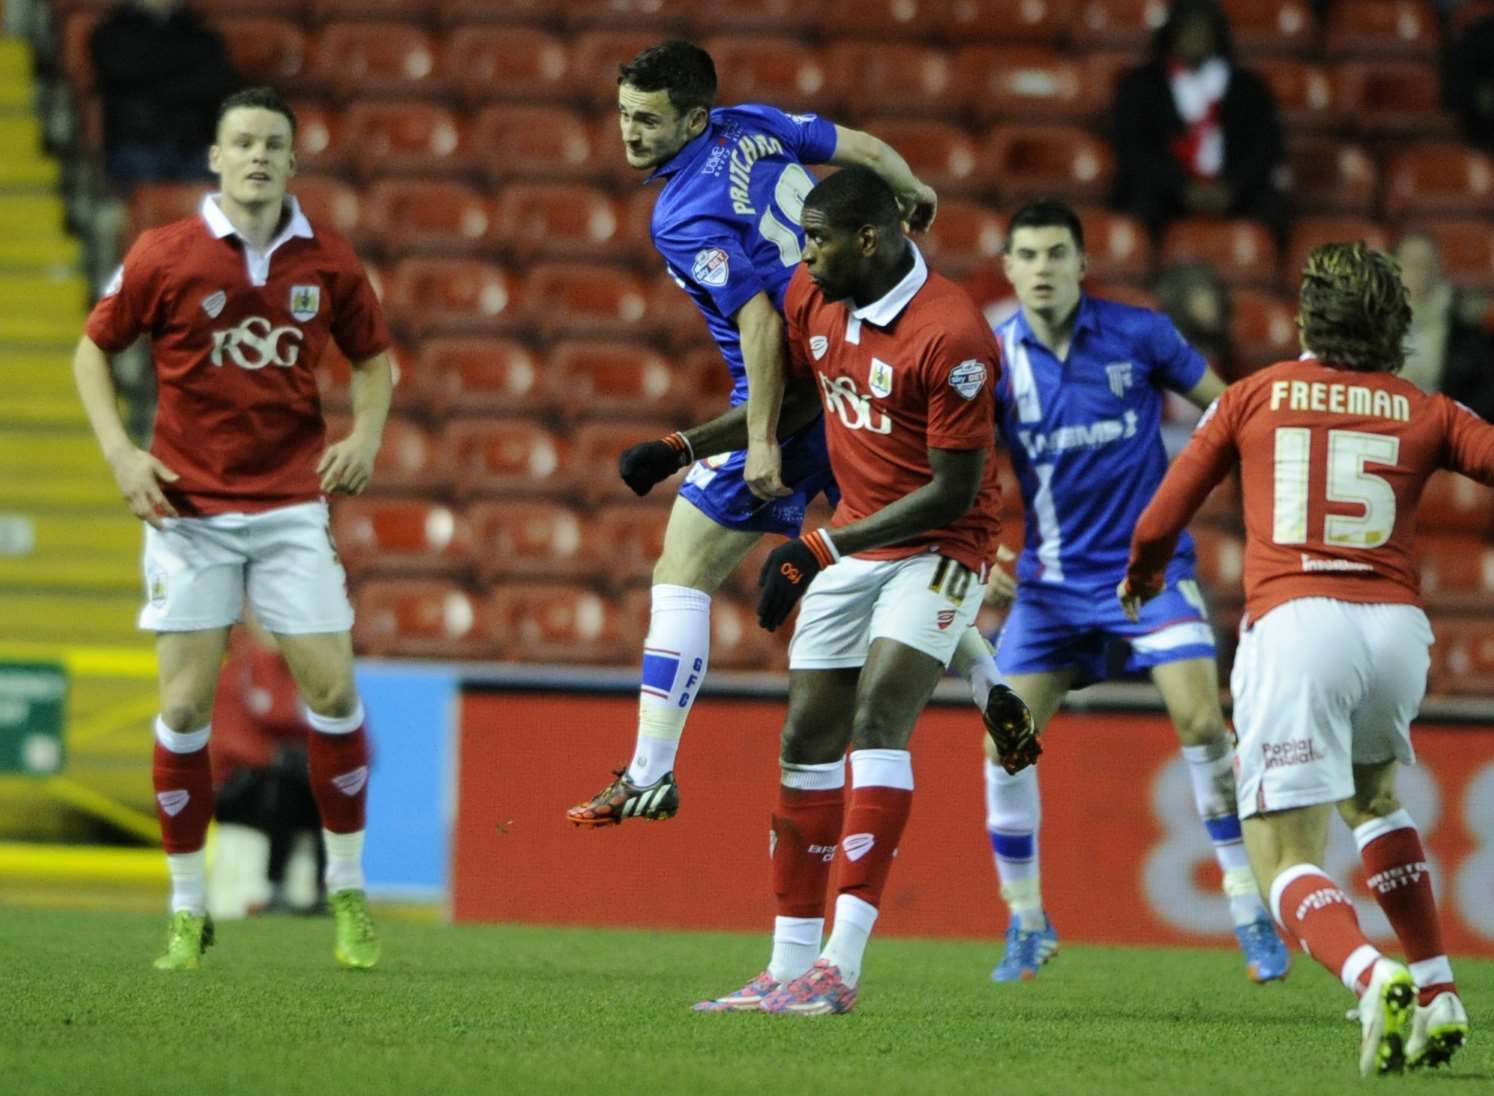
pixel 707 254
pixel 1174 362
pixel 808 136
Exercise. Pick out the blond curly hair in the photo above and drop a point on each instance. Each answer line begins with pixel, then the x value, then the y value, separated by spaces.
pixel 1353 310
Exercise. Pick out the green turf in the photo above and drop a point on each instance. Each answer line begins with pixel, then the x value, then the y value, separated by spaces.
pixel 535 1010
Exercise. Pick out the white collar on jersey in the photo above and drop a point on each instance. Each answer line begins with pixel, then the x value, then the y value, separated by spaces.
pixel 221 226
pixel 886 308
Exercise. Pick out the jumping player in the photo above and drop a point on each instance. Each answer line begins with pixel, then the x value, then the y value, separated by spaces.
pixel 1334 450
pixel 240 303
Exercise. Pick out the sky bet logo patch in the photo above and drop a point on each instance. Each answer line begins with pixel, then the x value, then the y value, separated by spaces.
pixel 711 267
pixel 967 378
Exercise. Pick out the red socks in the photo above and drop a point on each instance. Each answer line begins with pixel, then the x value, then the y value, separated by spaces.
pixel 1315 909
pixel 184 791
pixel 1399 877
pixel 881 799
pixel 806 829
pixel 339 770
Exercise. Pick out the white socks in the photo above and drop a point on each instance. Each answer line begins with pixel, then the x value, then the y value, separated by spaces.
pixel 675 655
pixel 188 881
pixel 973 661
pixel 344 860
pixel 1211 769
pixel 854 919
pixel 1013 813
pixel 796 945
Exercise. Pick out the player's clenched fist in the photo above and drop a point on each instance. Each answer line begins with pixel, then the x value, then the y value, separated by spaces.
pixel 787 573
pixel 347 466
pixel 651 462
pixel 139 475
pixel 1010 726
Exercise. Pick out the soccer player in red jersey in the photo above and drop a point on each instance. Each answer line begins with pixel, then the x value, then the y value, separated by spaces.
pixel 240 303
pixel 905 365
pixel 1334 451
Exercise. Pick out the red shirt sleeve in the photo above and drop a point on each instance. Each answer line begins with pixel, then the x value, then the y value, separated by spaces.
pixel 960 370
pixel 358 325
pixel 1470 441
pixel 1207 459
pixel 130 305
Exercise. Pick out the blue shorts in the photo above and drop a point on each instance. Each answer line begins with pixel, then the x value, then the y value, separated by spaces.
pixel 1053 627
pixel 716 488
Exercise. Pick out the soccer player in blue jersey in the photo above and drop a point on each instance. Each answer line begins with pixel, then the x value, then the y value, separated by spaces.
pixel 726 223
pixel 1079 404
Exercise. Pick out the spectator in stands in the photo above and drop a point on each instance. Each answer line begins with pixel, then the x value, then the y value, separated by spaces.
pixel 1194 133
pixel 1450 348
pixel 1468 82
pixel 161 74
pixel 259 757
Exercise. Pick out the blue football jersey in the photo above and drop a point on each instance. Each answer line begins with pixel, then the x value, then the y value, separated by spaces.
pixel 727 219
pixel 1084 435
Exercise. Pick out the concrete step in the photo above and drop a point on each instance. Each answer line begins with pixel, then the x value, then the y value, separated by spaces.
pixel 21 170
pixel 36 452
pixel 94 619
pixel 57 298
pixel 50 256
pixel 112 533
pixel 62 412
pixel 70 572
pixel 98 492
pixel 31 217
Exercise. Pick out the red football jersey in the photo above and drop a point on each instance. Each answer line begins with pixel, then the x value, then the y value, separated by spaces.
pixel 1332 465
pixel 913 371
pixel 236 336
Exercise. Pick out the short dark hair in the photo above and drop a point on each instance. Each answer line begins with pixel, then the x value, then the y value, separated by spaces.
pixel 681 68
pixel 265 98
pixel 1047 213
pixel 1353 308
pixel 855 196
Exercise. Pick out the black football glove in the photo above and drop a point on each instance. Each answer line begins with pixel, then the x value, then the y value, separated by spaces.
pixel 1010 726
pixel 787 573
pixel 651 462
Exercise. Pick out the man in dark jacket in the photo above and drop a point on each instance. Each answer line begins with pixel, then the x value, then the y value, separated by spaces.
pixel 1194 133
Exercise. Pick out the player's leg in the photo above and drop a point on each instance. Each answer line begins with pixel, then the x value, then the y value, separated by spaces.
pixel 1013 819
pixel 298 590
pixel 699 553
pixel 1190 691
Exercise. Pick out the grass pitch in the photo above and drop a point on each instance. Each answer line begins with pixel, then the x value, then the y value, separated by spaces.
pixel 480 1009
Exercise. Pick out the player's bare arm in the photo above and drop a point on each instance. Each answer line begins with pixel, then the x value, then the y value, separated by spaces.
pixel 347 465
pixel 918 202
pixel 1208 389
pixel 763 354
pixel 137 472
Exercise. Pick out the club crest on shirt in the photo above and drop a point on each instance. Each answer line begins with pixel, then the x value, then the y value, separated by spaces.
pixel 818 344
pixel 711 267
pixel 968 377
pixel 880 379
pixel 213 303
pixel 1120 376
pixel 305 301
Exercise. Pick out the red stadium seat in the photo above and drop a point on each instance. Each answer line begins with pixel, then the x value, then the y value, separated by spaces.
pixel 889 20
pixel 408 536
pixel 1125 292
pixel 513 456
pixel 1389 97
pixel 271 51
pixel 1330 176
pixel 781 71
pixel 294 10
pixel 1270 26
pixel 155 204
pixel 595 447
pixel 965 235
pixel 1241 251
pixel 1102 72
pixel 1457 571
pixel 355 60
pixel 1463 655
pixel 1382 28
pixel 411 458
pixel 321 144
pixel 1306 94
pixel 334 382
pixel 409 11
pixel 480 375
pixel 757 16
pixel 1003 22
pixel 1028 161
pixel 611 378
pixel 521 539
pixel 713 382
pixel 902 78
pixel 1467 248
pixel 666 18
pixel 330 202
pixel 559 622
pixel 632 534
pixel 1221 561
pixel 1308 232
pixel 1022 84
pixel 558 220
pixel 942 155
pixel 1117 24
pixel 596 55
pixel 525 64
pixel 1116 246
pixel 672 312
pixel 406 136
pixel 586 299
pixel 1439 178
pixel 430 295
pixel 635 213
pixel 462 12
pixel 419 618
pixel 1452 502
pixel 534 142
pixel 428 215
pixel 1263 327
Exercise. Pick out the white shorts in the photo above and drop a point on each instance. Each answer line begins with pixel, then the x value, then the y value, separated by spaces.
pixel 925 602
pixel 199 570
pixel 1320 686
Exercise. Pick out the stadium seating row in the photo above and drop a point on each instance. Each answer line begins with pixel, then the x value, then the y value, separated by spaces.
pixel 1369 28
